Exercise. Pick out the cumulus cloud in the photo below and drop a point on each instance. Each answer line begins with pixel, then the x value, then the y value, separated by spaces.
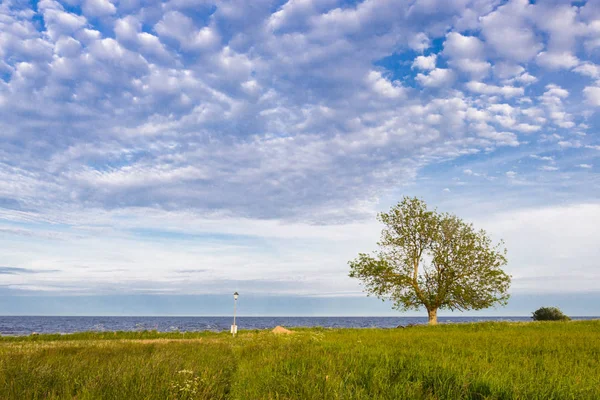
pixel 592 95
pixel 588 69
pixel 501 138
pixel 557 60
pixel 506 70
pixel 425 62
pixel 59 22
pixel 98 8
pixel 459 46
pixel 419 42
pixel 467 54
pixel 553 99
pixel 483 88
pixel 542 158
pixel 509 31
pixel 566 144
pixel 177 26
pixel 438 77
pixel 525 78
pixel 383 86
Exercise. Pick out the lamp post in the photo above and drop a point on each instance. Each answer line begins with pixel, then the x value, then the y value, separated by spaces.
pixel 234 326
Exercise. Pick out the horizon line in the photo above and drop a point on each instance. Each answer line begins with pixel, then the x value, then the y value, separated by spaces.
pixel 285 316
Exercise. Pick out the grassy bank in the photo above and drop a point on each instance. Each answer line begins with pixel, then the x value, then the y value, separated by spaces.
pixel 473 361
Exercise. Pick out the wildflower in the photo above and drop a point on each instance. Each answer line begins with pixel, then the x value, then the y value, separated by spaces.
pixel 185 371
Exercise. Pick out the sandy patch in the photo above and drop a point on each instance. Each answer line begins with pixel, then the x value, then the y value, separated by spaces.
pixel 280 330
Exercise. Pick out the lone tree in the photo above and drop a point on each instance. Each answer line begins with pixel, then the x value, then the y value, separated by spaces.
pixel 433 260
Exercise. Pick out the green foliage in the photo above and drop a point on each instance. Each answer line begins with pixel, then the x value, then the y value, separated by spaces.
pixel 461 361
pixel 433 259
pixel 549 314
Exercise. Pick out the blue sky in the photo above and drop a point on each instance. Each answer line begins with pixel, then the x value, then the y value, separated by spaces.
pixel 157 152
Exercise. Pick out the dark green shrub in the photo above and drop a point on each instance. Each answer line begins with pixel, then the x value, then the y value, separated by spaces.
pixel 549 314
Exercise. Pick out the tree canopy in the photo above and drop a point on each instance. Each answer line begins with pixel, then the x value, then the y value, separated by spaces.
pixel 549 314
pixel 433 260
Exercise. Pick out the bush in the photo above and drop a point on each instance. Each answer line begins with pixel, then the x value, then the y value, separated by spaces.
pixel 549 314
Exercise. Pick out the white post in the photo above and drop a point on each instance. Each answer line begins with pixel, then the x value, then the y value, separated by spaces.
pixel 234 326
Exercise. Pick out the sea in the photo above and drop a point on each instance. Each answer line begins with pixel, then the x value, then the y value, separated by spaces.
pixel 26 325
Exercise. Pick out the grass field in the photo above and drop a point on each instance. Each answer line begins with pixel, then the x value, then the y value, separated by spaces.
pixel 555 360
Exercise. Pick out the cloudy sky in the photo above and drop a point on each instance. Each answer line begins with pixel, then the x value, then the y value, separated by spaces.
pixel 165 154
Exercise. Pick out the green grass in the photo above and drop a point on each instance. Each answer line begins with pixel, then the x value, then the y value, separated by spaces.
pixel 552 360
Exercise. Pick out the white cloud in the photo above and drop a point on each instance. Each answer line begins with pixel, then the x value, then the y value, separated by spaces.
pixel 527 128
pixel 470 172
pixel 128 31
pixel 419 42
pixel 294 13
pixel 475 114
pixel 592 95
pixel 588 69
pixel 425 62
pixel 548 168
pixel 552 99
pixel 542 158
pixel 566 144
pixel 180 27
pixel 484 88
pixel 542 240
pixel 526 79
pixel 466 53
pixel 127 28
pixel 67 47
pixel 88 36
pixel 436 78
pixel 506 70
pixel 98 8
pixel 501 138
pixel 205 37
pixel 384 87
pixel 150 44
pixel 509 31
pixel 60 23
pixel 459 46
pixel 475 68
pixel 535 114
pixel 585 166
pixel 560 23
pixel 557 91
pixel 563 60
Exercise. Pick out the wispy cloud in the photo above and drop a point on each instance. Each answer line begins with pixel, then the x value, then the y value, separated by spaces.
pixel 21 271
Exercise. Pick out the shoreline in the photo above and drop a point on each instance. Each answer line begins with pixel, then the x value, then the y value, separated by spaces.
pixel 183 335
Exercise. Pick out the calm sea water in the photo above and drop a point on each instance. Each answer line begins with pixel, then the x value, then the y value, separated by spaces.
pixel 14 325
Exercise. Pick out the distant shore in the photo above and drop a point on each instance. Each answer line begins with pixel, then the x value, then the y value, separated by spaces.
pixel 25 325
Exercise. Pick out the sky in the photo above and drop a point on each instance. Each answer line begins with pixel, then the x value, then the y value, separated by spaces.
pixel 155 157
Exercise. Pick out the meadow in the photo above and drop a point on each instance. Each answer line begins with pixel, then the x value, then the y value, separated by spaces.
pixel 549 360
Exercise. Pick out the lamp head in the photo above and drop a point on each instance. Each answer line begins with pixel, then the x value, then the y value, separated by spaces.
pixel 235 296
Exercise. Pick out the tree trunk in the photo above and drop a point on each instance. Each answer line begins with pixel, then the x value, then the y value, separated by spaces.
pixel 432 316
